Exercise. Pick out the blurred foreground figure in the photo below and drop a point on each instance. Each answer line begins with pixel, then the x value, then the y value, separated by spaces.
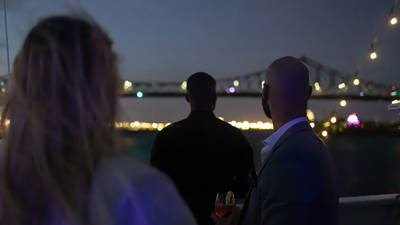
pixel 202 154
pixel 59 163
pixel 297 181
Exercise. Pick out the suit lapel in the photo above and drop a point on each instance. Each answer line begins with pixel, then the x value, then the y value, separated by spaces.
pixel 296 128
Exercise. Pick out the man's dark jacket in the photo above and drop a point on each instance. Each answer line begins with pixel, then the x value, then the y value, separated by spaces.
pixel 203 155
pixel 296 185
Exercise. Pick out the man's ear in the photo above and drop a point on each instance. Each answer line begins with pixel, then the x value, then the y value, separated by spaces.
pixel 187 98
pixel 309 92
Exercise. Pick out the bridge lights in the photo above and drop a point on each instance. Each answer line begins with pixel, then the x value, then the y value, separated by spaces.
pixel 317 87
pixel 343 103
pixel 127 84
pixel 230 90
pixel 236 83
pixel 184 85
pixel 333 120
pixel 356 82
pixel 393 21
pixel 139 94
pixel 342 86
pixel 324 133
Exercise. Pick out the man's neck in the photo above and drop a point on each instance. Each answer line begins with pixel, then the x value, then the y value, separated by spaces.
pixel 200 108
pixel 279 122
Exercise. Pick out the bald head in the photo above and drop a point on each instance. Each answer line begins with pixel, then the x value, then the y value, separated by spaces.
pixel 286 89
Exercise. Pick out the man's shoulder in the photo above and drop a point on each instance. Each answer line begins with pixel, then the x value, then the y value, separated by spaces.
pixel 304 142
pixel 175 126
pixel 303 150
pixel 228 127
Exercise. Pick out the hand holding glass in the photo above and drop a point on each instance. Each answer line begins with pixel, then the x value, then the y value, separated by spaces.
pixel 224 203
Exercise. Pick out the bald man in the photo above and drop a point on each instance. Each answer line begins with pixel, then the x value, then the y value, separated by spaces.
pixel 296 183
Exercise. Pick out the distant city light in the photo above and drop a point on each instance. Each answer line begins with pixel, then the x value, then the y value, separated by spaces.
pixel 310 115
pixel 362 94
pixel 139 94
pixel 324 133
pixel 356 82
pixel 342 86
pixel 236 83
pixel 353 120
pixel 396 102
pixel 394 93
pixel 127 84
pixel 394 21
pixel 343 103
pixel 269 126
pixel 327 124
pixel 246 125
pixel 262 84
pixel 312 124
pixel 221 118
pixel 373 55
pixel 333 119
pixel 230 90
pixel 317 87
pixel 184 85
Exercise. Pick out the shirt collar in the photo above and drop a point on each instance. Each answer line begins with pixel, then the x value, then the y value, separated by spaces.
pixel 274 137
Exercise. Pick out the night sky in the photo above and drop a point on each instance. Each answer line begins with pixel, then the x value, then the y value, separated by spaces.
pixel 169 40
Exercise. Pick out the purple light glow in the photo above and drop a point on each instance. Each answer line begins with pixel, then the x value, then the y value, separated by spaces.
pixel 230 90
pixel 362 94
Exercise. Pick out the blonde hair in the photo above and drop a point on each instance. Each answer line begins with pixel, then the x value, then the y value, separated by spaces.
pixel 61 107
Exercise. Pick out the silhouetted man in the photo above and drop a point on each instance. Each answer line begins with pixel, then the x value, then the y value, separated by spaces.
pixel 296 183
pixel 202 154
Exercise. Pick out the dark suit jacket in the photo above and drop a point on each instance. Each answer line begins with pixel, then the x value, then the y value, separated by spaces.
pixel 297 184
pixel 203 155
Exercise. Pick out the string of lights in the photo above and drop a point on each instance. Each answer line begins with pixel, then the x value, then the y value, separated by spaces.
pixel 392 20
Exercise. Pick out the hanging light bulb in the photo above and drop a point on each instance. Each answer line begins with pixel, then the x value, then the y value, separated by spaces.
pixel 373 55
pixel 343 103
pixel 394 21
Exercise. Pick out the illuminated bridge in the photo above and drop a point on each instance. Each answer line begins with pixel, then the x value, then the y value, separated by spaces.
pixel 328 83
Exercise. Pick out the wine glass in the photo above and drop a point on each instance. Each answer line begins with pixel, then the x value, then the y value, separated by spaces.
pixel 224 203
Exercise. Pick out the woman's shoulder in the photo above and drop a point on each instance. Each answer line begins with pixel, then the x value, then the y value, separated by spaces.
pixel 121 173
pixel 126 166
pixel 127 190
